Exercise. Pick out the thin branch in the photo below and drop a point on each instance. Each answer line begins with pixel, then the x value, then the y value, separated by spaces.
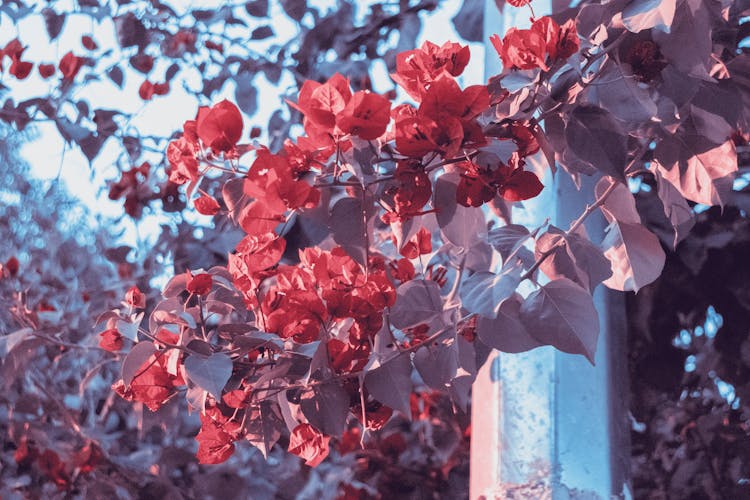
pixel 582 218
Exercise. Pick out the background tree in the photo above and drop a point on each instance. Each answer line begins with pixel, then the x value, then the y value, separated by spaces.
pixel 688 364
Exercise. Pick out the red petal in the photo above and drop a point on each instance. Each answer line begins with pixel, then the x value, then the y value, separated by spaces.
pixel 89 43
pixel 46 70
pixel 70 65
pixel 146 90
pixel 522 185
pixel 20 69
pixel 200 284
pixel 207 205
pixel 111 340
pixel 307 443
pixel 220 127
pixel 366 115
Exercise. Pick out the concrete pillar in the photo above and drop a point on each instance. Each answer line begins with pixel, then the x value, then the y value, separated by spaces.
pixel 546 424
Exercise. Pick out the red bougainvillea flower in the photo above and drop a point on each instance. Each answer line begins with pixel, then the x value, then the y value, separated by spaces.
pixel 164 338
pixel 143 63
pixel 20 69
pixel 409 195
pixel 347 291
pixel 111 340
pixel 519 3
pixel 89 43
pixel 46 70
pixel 521 133
pixel 525 139
pixel 646 60
pixel 376 416
pixel 135 298
pixel 528 49
pixel 414 133
pixel 420 244
pixel 402 270
pixel 293 309
pixel 11 266
pixel 207 205
pixel 161 88
pixel 366 115
pixel 14 50
pixel 153 384
pixel 181 154
pixel 216 437
pixel 200 284
pixel 521 49
pixel 214 46
pixel 220 126
pixel 475 187
pixel 561 41
pixel 298 300
pixel 568 42
pixel 130 186
pixel 517 184
pixel 321 102
pixel 254 255
pixel 182 162
pixel 346 357
pixel 416 69
pixel 446 99
pixel 238 398
pixel 331 109
pixel 70 65
pixel 295 314
pixel 444 122
pixel 309 444
pixel 88 457
pixel 53 468
pixel 146 90
pixel 257 253
pixel 304 155
pixel 272 183
pixel 479 184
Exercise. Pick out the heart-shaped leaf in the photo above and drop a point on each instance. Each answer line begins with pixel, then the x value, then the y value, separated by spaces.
pixel 483 293
pixel 390 384
pixel 506 333
pixel 210 373
pixel 562 314
pixel 417 301
pixel 135 359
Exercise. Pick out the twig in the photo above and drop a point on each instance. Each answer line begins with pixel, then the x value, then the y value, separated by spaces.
pixel 580 220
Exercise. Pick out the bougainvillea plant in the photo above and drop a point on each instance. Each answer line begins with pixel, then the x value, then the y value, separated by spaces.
pixel 379 250
pixel 395 268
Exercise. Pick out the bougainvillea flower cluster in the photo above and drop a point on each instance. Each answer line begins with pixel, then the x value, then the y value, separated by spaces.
pixel 365 252
pixel 338 297
pixel 545 43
